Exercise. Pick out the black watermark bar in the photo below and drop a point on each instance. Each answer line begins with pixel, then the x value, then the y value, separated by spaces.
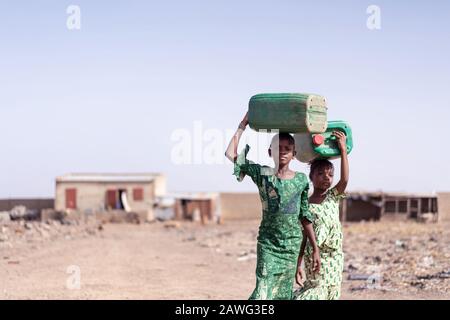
pixel 220 309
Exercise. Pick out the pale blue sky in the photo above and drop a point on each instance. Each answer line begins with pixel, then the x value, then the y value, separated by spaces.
pixel 107 98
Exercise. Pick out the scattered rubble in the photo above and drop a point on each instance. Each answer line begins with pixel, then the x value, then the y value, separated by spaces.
pixel 247 256
pixel 172 224
pixel 358 277
pixel 19 232
pixel 402 257
pixel 190 238
pixel 405 256
pixel 439 275
pixel 5 217
pixel 427 218
pixel 400 244
pixel 21 212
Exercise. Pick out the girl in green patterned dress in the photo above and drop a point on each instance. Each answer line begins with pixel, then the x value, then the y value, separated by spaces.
pixel 324 205
pixel 284 198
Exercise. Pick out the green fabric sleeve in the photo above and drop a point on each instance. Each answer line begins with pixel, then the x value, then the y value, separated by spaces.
pixel 243 167
pixel 335 195
pixel 304 205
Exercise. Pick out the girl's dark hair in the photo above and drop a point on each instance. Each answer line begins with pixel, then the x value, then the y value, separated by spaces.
pixel 284 136
pixel 319 164
pixel 288 137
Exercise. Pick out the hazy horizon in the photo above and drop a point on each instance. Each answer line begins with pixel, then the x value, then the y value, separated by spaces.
pixel 109 97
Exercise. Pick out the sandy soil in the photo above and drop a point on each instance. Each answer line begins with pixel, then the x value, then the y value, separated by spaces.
pixel 188 261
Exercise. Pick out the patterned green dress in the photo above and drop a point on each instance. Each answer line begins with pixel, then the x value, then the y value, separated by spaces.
pixel 327 284
pixel 284 203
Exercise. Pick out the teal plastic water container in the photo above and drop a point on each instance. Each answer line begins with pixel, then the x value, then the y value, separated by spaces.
pixel 322 145
pixel 288 112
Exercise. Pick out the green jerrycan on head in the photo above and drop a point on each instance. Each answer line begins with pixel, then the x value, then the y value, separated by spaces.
pixel 288 112
pixel 322 145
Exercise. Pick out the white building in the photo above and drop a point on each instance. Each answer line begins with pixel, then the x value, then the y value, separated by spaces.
pixel 131 192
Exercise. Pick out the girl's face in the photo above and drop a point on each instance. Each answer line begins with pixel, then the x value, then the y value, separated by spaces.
pixel 282 152
pixel 322 178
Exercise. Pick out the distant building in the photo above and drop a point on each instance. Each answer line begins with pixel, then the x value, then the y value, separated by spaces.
pixel 444 206
pixel 29 203
pixel 200 206
pixel 357 206
pixel 131 192
pixel 240 205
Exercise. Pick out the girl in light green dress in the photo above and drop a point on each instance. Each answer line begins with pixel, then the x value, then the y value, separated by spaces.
pixel 324 205
pixel 284 199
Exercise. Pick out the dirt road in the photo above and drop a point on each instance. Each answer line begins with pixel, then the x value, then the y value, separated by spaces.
pixel 187 261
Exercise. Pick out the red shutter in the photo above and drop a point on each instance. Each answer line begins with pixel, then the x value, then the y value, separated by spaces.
pixel 138 194
pixel 71 198
pixel 111 199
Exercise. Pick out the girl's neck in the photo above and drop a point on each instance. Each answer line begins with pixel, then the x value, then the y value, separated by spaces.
pixel 319 192
pixel 282 170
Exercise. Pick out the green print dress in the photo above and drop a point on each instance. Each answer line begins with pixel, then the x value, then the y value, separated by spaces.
pixel 284 203
pixel 327 284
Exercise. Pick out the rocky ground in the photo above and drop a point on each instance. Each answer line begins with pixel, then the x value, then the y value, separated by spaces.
pixel 403 257
pixel 172 260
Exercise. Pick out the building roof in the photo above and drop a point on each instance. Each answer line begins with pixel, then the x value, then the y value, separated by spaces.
pixel 194 195
pixel 391 194
pixel 108 177
pixel 410 195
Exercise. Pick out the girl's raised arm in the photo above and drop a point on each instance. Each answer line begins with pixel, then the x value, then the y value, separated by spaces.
pixel 231 152
pixel 342 184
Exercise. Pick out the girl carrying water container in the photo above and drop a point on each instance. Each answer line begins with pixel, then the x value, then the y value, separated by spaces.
pixel 324 206
pixel 284 199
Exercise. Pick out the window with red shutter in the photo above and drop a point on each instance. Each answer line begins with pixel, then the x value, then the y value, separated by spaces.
pixel 138 194
pixel 71 198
